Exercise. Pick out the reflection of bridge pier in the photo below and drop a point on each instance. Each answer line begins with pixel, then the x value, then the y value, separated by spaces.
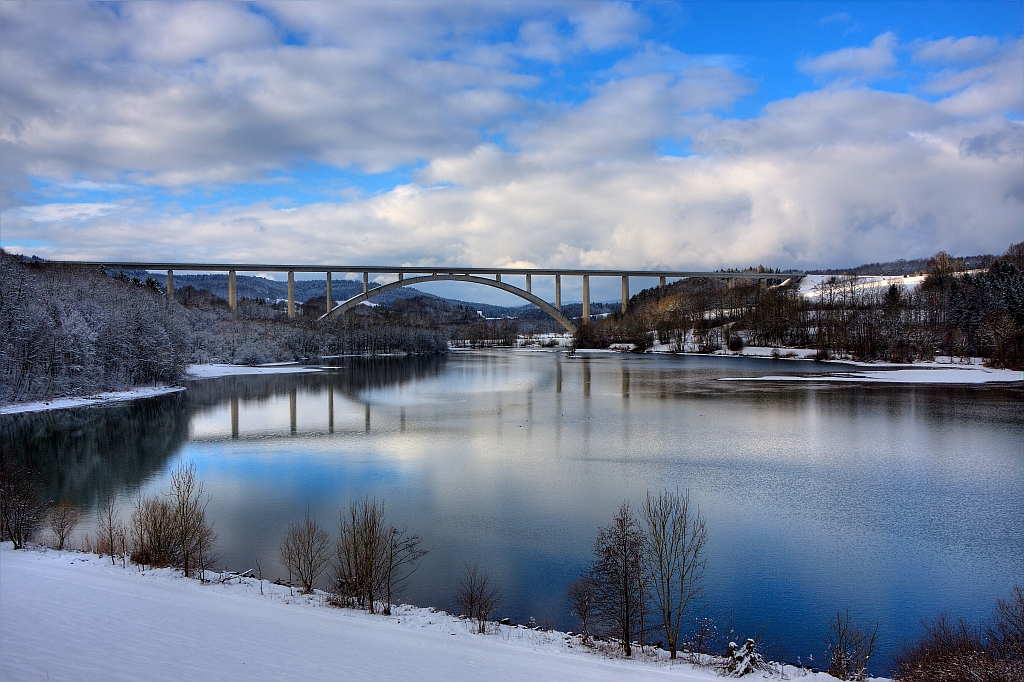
pixel 586 377
pixel 367 428
pixel 234 416
pixel 330 409
pixel 293 400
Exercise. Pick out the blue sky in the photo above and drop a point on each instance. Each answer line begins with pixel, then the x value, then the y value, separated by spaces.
pixel 685 135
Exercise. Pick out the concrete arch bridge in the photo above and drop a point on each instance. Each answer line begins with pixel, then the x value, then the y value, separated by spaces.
pixel 412 275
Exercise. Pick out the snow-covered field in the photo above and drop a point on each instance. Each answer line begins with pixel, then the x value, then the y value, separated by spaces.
pixel 98 399
pixel 71 616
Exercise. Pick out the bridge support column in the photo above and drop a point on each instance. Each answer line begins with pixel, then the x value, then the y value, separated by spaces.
pixel 329 297
pixel 170 284
pixel 232 292
pixel 291 294
pixel 586 299
pixel 366 282
pixel 625 291
pixel 497 277
pixel 661 282
pixel 529 284
pixel 401 276
pixel 558 291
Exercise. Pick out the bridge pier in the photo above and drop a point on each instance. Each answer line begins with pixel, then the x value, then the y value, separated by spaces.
pixel 661 281
pixel 170 284
pixel 401 276
pixel 232 292
pixel 586 299
pixel 529 284
pixel 497 277
pixel 366 282
pixel 558 292
pixel 625 291
pixel 329 297
pixel 291 294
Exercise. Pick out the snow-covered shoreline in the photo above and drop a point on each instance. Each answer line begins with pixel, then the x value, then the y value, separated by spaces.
pixel 91 400
pixel 194 372
pixel 68 615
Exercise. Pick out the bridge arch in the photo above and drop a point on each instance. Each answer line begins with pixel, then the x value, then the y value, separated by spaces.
pixel 452 277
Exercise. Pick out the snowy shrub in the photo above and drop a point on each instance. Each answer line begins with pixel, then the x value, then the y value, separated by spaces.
pixel 741 660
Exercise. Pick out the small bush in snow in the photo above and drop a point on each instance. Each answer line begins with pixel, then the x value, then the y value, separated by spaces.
pixel 951 651
pixel 849 648
pixel 741 660
pixel 62 521
pixel 477 595
pixel 304 551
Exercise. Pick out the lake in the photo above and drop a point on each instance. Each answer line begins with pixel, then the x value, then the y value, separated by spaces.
pixel 896 502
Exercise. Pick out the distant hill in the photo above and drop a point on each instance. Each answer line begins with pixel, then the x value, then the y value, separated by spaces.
pixel 906 267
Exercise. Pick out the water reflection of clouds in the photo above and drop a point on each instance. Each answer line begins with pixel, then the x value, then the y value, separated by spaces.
pixel 456 387
pixel 816 498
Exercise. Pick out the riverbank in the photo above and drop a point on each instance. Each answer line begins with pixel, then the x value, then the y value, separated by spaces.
pixel 91 400
pixel 212 371
pixel 69 615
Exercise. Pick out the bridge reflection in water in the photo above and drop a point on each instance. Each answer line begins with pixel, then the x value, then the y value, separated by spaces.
pixel 319 404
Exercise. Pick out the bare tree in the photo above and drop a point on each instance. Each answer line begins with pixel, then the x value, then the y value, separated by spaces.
pixel 62 521
pixel 849 648
pixel 109 529
pixel 192 534
pixel 360 550
pixel 402 554
pixel 372 557
pixel 304 551
pixel 21 508
pixel 617 573
pixel 152 530
pixel 675 541
pixel 581 598
pixel 477 594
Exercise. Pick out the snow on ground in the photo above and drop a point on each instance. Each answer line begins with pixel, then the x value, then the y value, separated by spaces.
pixel 916 374
pixel 218 370
pixel 98 399
pixel 71 616
pixel 810 284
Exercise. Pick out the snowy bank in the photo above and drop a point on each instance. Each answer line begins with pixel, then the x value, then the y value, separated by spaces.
pixel 215 371
pixel 85 401
pixel 929 374
pixel 70 616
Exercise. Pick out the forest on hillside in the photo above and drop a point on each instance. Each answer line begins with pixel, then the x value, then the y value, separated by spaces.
pixel 71 330
pixel 954 311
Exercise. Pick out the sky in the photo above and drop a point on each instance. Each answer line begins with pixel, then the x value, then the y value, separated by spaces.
pixel 683 135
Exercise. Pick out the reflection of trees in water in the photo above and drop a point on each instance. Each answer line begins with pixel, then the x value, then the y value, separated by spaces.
pixel 84 454
pixel 352 376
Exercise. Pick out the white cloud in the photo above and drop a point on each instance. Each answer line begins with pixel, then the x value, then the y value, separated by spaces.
pixel 950 49
pixel 873 60
pixel 831 177
pixel 51 213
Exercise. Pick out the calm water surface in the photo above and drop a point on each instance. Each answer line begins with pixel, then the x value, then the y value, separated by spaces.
pixel 897 502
